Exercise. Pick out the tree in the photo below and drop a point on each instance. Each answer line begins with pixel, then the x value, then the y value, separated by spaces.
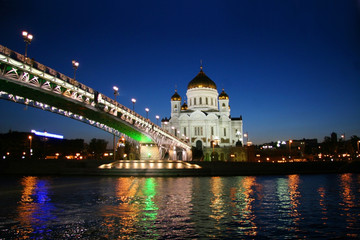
pixel 97 147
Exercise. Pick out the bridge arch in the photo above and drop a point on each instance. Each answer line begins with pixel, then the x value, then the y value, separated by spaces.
pixel 33 84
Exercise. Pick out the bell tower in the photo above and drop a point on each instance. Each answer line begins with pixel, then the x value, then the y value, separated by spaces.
pixel 175 104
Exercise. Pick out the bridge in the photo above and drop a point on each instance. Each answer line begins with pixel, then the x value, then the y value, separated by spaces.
pixel 25 81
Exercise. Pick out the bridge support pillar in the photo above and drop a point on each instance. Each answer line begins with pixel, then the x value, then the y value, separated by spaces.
pixel 180 154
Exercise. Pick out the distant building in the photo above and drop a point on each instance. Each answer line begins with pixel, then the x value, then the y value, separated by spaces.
pixel 204 118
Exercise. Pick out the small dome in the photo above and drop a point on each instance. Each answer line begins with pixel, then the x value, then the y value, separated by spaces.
pixel 201 81
pixel 223 95
pixel 184 106
pixel 176 97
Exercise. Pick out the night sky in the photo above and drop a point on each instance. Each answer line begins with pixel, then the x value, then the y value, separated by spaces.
pixel 291 68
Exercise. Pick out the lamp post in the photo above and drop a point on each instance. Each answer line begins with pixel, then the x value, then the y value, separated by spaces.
pixel 157 119
pixel 290 142
pixel 116 92
pixel 30 150
pixel 27 39
pixel 133 101
pixel 246 136
pixel 343 136
pixel 75 65
pixel 358 145
pixel 147 112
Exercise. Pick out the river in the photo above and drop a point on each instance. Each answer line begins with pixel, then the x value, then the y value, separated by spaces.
pixel 262 207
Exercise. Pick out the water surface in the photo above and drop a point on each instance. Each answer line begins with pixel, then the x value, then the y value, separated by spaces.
pixel 265 207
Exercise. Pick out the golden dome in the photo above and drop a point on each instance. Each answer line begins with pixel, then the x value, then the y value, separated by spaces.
pixel 201 81
pixel 176 97
pixel 223 95
pixel 184 106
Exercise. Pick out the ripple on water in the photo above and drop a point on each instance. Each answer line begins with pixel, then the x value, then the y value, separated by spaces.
pixel 293 207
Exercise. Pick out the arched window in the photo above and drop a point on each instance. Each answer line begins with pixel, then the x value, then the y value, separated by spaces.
pixel 206 101
pixel 200 101
pixel 194 101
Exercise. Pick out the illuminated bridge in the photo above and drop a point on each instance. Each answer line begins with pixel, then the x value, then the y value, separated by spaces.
pixel 28 82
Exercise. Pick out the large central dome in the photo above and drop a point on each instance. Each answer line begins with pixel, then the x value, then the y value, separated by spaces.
pixel 201 81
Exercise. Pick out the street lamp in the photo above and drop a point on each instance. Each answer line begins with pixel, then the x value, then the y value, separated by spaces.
pixel 27 39
pixel 147 112
pixel 30 150
pixel 358 145
pixel 247 137
pixel 290 142
pixel 133 101
pixel 75 65
pixel 157 119
pixel 116 92
pixel 343 136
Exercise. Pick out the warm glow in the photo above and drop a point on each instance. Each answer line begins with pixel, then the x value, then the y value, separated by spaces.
pixel 133 100
pixel 115 88
pixel 75 64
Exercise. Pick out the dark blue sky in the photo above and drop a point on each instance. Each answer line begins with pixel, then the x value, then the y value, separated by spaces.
pixel 290 67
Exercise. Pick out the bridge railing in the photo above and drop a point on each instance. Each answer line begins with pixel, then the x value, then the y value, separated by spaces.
pixel 49 74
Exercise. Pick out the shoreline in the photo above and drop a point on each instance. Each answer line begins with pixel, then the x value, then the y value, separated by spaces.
pixel 91 168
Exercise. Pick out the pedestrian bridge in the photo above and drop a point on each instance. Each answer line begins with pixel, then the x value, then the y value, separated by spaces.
pixel 25 81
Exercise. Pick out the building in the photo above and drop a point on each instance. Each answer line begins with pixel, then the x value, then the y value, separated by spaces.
pixel 204 118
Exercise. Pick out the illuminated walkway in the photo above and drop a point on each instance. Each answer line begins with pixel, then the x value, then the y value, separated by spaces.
pixel 149 165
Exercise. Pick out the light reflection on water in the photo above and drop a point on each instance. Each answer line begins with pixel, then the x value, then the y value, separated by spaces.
pixel 149 164
pixel 293 207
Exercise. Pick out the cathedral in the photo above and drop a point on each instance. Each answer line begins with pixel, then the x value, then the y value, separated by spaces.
pixel 203 119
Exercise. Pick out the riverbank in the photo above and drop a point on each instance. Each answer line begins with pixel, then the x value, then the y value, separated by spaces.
pixel 91 167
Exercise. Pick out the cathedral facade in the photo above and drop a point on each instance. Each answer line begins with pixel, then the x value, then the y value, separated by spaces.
pixel 203 119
